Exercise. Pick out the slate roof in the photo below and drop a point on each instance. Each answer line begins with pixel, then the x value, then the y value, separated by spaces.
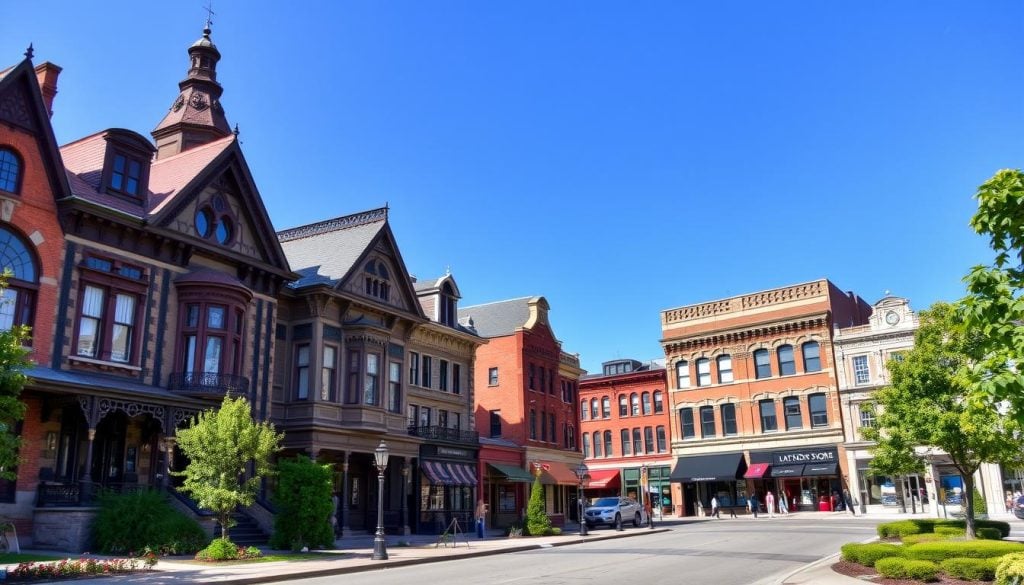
pixel 498 318
pixel 83 160
pixel 324 252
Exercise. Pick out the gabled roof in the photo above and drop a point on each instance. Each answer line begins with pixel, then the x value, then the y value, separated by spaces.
pixel 170 176
pixel 324 252
pixel 498 318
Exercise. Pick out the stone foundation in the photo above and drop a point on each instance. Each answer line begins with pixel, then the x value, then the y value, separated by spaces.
pixel 63 529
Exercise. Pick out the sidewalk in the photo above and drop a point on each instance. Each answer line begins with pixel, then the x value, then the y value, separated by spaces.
pixel 354 554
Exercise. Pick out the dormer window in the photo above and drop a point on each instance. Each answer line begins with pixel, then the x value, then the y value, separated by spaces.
pixel 126 175
pixel 448 305
pixel 126 165
pixel 10 171
pixel 377 280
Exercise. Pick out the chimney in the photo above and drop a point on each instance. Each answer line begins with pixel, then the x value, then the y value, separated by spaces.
pixel 47 74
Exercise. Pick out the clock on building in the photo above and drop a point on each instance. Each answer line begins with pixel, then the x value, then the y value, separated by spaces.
pixel 892 317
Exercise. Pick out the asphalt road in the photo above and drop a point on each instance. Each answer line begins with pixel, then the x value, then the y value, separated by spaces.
pixel 740 551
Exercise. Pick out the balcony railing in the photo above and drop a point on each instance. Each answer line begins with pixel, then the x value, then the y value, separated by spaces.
pixel 209 384
pixel 436 433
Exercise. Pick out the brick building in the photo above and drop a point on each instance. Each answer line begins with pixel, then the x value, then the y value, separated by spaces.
pixel 165 298
pixel 624 425
pixel 526 400
pixel 754 395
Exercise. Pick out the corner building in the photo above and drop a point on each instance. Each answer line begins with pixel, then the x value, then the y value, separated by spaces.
pixel 755 401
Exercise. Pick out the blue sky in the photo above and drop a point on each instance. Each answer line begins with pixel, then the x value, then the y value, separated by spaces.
pixel 618 158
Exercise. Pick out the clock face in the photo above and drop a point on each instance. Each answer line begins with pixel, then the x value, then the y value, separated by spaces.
pixel 892 317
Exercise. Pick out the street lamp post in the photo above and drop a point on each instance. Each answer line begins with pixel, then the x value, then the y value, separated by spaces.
pixel 583 475
pixel 380 548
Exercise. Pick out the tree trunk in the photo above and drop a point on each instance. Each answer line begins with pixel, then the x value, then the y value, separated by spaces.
pixel 901 498
pixel 968 504
pixel 224 519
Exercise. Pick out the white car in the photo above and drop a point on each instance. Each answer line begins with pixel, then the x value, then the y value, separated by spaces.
pixel 611 510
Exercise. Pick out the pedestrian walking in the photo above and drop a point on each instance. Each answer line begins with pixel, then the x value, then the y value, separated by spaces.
pixel 769 502
pixel 783 504
pixel 848 501
pixel 481 515
pixel 714 508
pixel 753 503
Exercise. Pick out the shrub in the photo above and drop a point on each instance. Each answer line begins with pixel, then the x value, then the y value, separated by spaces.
pixel 950 531
pixel 900 528
pixel 980 505
pixel 1010 569
pixel 867 554
pixel 926 537
pixel 537 521
pixel 989 533
pixel 971 569
pixel 900 568
pixel 1003 527
pixel 145 519
pixel 220 549
pixel 304 505
pixel 928 525
pixel 978 549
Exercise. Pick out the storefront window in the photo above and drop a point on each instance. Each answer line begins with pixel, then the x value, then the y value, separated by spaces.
pixel 877 489
pixel 506 499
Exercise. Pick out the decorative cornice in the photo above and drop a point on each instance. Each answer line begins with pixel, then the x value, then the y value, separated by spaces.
pixel 738 304
pixel 331 225
pixel 745 335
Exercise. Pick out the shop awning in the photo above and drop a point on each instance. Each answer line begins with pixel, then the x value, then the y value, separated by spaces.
pixel 718 467
pixel 787 471
pixel 512 472
pixel 820 469
pixel 442 473
pixel 756 470
pixel 555 473
pixel 603 479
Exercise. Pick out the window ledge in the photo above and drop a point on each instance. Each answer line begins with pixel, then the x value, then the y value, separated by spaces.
pixel 104 363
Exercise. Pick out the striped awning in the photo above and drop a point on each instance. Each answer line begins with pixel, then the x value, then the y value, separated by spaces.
pixel 445 473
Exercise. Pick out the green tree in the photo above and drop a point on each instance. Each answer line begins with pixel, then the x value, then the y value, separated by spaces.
pixel 220 444
pixel 13 362
pixel 928 405
pixel 995 301
pixel 304 505
pixel 895 455
pixel 537 521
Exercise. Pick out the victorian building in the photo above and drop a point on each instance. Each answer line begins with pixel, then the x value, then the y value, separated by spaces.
pixel 164 291
pixel 624 424
pixel 754 396
pixel 526 400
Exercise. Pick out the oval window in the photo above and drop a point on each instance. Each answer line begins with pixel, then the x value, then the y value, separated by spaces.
pixel 203 223
pixel 223 230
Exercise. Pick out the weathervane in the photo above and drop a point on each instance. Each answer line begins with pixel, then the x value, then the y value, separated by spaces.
pixel 209 13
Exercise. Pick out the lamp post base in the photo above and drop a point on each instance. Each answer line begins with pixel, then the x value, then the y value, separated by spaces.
pixel 380 548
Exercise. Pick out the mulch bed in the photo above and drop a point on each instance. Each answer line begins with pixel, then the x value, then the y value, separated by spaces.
pixel 860 571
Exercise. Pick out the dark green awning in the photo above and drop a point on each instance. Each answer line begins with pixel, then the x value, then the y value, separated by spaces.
pixel 512 472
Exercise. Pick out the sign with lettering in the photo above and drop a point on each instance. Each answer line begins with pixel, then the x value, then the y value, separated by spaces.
pixel 808 455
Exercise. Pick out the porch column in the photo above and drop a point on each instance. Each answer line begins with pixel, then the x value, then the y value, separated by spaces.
pixel 168 448
pixel 345 530
pixel 85 485
pixel 405 498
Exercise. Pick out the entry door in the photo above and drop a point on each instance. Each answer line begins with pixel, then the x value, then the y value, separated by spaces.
pixel 690 498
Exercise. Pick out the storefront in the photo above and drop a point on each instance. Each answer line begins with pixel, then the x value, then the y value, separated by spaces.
pixel 705 476
pixel 808 478
pixel 447 488
pixel 604 482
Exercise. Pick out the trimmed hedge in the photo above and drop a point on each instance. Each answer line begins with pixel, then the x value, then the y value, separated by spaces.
pixel 900 568
pixel 990 533
pixel 1010 570
pixel 971 569
pixel 978 549
pixel 145 519
pixel 902 528
pixel 869 553
pixel 926 537
pixel 950 531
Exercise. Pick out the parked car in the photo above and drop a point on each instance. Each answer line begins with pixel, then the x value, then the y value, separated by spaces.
pixel 1018 507
pixel 611 510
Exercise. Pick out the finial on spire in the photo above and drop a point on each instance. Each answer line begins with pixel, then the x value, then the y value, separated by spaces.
pixel 235 131
pixel 448 270
pixel 29 52
pixel 209 17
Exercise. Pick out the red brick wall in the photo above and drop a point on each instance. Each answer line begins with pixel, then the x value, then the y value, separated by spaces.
pixel 626 384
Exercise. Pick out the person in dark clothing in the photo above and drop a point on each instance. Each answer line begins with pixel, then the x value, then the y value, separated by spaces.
pixel 753 503
pixel 848 501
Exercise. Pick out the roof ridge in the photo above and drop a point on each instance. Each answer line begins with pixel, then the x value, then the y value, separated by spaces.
pixel 194 149
pixel 82 139
pixel 496 302
pixel 333 225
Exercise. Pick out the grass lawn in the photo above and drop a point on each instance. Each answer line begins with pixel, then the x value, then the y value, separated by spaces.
pixel 274 558
pixel 12 558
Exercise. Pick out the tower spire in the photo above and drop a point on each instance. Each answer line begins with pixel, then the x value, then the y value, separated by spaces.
pixel 196 116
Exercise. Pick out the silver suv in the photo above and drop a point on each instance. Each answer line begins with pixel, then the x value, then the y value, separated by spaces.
pixel 611 510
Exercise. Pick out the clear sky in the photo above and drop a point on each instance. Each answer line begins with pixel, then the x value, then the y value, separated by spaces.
pixel 619 158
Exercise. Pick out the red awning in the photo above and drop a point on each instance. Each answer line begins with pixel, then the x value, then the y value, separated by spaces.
pixel 555 473
pixel 603 478
pixel 756 470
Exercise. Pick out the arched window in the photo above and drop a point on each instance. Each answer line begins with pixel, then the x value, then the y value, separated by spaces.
pixel 812 356
pixel 606 407
pixel 624 439
pixel 787 366
pixel 18 302
pixel 10 171
pixel 634 401
pixel 594 412
pixel 211 332
pixel 682 374
pixel 623 405
pixel 659 402
pixel 608 449
pixel 724 369
pixel 448 307
pixel 762 364
pixel 662 443
pixel 377 281
pixel 586 445
pixel 703 372
pixel 638 445
pixel 647 402
pixel 583 409
pixel 597 444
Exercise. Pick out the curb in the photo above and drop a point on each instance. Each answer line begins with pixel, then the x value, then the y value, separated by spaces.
pixel 417 561
pixel 822 561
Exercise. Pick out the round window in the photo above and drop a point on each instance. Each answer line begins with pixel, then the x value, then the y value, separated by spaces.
pixel 203 223
pixel 223 230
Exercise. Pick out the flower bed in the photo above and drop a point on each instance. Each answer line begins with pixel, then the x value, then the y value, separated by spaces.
pixel 83 567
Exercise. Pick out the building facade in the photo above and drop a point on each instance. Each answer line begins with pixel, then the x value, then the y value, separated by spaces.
pixel 754 398
pixel 625 426
pixel 526 409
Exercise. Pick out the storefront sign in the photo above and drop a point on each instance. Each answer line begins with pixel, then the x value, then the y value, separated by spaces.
pixel 809 455
pixel 449 452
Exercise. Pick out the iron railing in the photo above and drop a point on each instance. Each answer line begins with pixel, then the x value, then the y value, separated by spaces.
pixel 211 384
pixel 436 433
